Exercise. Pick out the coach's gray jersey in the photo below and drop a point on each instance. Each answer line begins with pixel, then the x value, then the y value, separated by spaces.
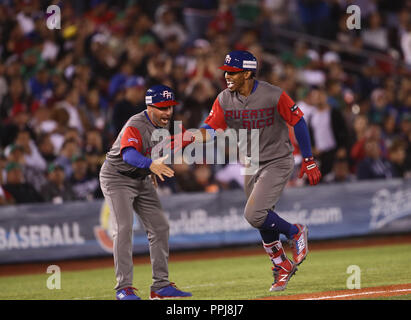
pixel 137 133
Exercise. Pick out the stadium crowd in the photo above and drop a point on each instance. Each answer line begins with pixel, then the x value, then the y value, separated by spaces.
pixel 65 93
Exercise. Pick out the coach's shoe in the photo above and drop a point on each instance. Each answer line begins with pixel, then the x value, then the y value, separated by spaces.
pixel 169 292
pixel 127 294
pixel 282 274
pixel 299 244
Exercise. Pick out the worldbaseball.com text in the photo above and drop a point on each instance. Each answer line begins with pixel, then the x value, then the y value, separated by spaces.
pixel 224 310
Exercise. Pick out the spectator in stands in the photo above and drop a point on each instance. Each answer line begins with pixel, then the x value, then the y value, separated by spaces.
pixel 405 40
pixel 3 163
pixel 58 126
pixel 21 191
pixel 223 21
pixel 407 162
pixel 117 81
pixel 299 58
pixel 166 25
pixel 310 98
pixel 9 128
pixel 32 175
pixel 159 67
pixel 5 197
pixel 71 105
pixel 184 176
pixel 204 180
pixel 389 129
pixel 69 149
pixel 315 16
pixel 46 147
pixel 397 155
pixel 85 187
pixel 372 133
pixel 58 189
pixel 229 177
pixel 335 95
pixel 340 172
pixel 197 17
pixel 94 141
pixel 374 166
pixel 96 116
pixel 375 36
pixel 94 161
pixel 199 97
pixel 379 106
pixel 32 156
pixel 132 103
pixel 405 125
pixel 329 133
pixel 41 86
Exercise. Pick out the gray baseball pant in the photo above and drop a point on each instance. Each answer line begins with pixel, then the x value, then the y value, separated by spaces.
pixel 264 188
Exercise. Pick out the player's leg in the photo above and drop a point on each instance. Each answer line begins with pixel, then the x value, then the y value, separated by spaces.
pixel 267 187
pixel 263 191
pixel 148 207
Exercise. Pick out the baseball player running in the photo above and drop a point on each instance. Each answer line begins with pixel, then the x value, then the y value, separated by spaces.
pixel 251 104
pixel 127 187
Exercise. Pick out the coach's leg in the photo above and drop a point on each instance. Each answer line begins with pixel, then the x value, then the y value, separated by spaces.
pixel 149 208
pixel 120 204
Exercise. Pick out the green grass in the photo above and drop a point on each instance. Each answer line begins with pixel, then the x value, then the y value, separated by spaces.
pixel 247 277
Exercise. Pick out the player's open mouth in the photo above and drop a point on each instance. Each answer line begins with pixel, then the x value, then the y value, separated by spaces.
pixel 164 121
pixel 230 84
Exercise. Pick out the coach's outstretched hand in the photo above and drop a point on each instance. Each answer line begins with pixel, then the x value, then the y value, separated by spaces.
pixel 159 168
pixel 309 167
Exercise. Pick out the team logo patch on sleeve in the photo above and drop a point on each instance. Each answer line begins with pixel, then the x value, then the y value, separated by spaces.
pixel 132 139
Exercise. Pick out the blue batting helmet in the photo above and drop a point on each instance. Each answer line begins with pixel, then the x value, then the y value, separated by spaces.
pixel 239 60
pixel 160 96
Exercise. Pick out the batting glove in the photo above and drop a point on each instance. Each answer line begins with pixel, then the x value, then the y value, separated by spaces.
pixel 309 167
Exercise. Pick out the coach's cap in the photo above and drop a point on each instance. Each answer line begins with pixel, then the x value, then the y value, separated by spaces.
pixel 160 96
pixel 239 60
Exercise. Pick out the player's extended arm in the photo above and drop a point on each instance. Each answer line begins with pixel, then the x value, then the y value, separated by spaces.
pixel 308 165
pixel 184 138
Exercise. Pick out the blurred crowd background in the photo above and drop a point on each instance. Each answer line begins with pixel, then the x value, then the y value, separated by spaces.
pixel 65 93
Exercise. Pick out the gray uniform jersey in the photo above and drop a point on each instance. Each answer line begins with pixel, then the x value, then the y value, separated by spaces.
pixel 136 133
pixel 268 108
